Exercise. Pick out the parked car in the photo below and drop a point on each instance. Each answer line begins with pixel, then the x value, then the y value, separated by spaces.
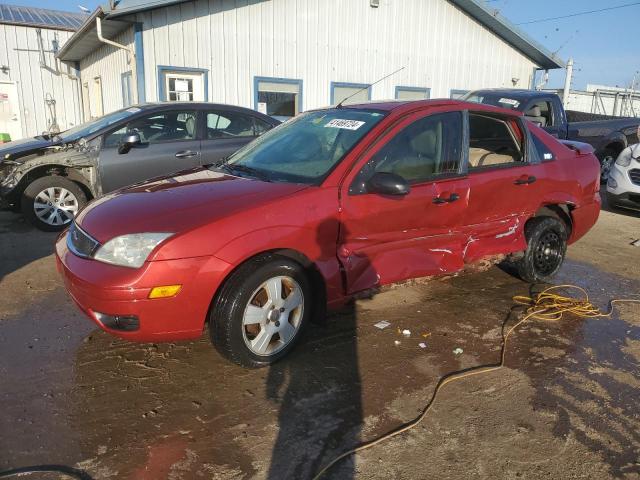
pixel 607 136
pixel 623 187
pixel 50 179
pixel 334 202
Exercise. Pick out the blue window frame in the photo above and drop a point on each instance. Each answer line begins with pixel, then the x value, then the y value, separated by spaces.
pixel 412 93
pixel 341 90
pixel 456 94
pixel 280 98
pixel 127 90
pixel 201 84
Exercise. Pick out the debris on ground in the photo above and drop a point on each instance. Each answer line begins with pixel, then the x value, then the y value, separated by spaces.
pixel 422 345
pixel 636 243
pixel 426 334
pixel 406 333
pixel 382 325
pixel 457 351
pixel 396 342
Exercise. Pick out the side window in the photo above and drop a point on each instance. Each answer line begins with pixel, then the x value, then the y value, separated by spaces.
pixel 156 128
pixel 229 125
pixel 261 126
pixel 542 150
pixel 427 148
pixel 494 141
pixel 541 114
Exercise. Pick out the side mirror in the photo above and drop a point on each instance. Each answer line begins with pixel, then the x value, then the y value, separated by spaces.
pixel 129 140
pixel 386 183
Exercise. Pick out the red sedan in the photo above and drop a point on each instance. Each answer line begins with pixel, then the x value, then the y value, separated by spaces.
pixel 331 203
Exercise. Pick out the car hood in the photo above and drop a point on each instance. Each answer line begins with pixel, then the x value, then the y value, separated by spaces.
pixel 176 203
pixel 23 147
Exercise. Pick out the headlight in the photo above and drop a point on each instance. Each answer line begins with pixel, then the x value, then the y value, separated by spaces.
pixel 130 250
pixel 623 159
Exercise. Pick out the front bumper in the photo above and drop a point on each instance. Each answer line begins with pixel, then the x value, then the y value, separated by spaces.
pixel 98 288
pixel 621 191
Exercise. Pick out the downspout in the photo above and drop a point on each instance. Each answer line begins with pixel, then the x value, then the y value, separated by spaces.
pixel 131 57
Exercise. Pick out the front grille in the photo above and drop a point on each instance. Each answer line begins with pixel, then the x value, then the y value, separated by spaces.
pixel 634 175
pixel 80 243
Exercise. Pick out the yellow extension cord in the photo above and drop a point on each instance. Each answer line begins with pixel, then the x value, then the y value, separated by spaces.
pixel 546 305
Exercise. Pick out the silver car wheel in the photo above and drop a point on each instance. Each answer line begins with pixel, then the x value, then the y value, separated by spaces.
pixel 273 315
pixel 55 206
pixel 605 167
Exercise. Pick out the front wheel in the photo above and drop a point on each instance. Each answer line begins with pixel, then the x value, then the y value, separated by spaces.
pixel 546 249
pixel 51 203
pixel 609 157
pixel 260 311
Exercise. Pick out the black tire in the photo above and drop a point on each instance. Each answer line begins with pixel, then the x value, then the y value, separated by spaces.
pixel 226 328
pixel 546 249
pixel 607 158
pixel 41 184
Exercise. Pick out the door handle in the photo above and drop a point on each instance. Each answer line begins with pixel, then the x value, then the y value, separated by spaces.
pixel 524 180
pixel 452 198
pixel 186 154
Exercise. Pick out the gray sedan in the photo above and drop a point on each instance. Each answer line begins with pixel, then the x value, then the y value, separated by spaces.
pixel 50 184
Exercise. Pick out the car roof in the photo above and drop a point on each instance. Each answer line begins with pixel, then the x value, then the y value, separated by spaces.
pixel 514 92
pixel 149 106
pixel 402 106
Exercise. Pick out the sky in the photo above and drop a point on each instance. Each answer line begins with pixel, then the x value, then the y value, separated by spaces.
pixel 604 45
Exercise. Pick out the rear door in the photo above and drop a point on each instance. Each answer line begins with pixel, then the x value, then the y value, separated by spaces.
pixel 169 144
pixel 504 183
pixel 386 239
pixel 225 131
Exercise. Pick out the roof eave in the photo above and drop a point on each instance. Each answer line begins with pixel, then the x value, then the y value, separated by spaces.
pixel 510 33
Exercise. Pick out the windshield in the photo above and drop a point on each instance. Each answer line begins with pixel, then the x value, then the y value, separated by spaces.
pixel 495 99
pixel 93 126
pixel 306 148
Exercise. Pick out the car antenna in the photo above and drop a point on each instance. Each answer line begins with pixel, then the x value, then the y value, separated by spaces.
pixel 339 105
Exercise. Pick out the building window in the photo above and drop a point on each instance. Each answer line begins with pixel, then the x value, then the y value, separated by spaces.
pixel 412 93
pixel 280 98
pixel 350 93
pixel 457 94
pixel 179 84
pixel 127 92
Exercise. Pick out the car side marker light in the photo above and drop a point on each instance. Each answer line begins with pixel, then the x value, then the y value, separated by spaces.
pixel 164 291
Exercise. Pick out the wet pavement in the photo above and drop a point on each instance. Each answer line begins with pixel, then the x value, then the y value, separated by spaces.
pixel 567 406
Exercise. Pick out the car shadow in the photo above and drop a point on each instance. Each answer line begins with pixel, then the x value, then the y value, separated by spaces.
pixel 15 234
pixel 320 412
pixel 617 210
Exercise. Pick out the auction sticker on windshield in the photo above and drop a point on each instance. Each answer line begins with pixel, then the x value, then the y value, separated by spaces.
pixel 342 123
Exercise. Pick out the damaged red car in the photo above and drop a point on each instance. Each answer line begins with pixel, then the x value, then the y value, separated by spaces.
pixel 331 203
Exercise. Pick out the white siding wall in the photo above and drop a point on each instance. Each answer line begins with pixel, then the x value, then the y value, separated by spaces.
pixel 320 41
pixel 19 50
pixel 108 63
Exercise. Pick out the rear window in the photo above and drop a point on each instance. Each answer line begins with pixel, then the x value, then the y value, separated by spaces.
pixel 544 152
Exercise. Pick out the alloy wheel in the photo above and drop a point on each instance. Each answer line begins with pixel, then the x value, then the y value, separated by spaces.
pixel 605 167
pixel 55 206
pixel 273 315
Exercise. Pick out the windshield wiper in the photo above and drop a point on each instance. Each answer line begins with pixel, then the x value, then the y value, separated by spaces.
pixel 230 167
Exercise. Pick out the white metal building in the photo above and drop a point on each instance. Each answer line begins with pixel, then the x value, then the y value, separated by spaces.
pixel 286 56
pixel 38 93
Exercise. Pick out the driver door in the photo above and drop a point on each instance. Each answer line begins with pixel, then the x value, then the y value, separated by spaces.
pixel 391 238
pixel 169 144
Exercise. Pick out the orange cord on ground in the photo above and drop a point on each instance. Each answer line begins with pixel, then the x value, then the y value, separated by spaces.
pixel 547 306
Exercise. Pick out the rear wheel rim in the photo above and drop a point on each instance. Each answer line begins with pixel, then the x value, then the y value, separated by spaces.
pixel 273 315
pixel 55 206
pixel 605 168
pixel 547 255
